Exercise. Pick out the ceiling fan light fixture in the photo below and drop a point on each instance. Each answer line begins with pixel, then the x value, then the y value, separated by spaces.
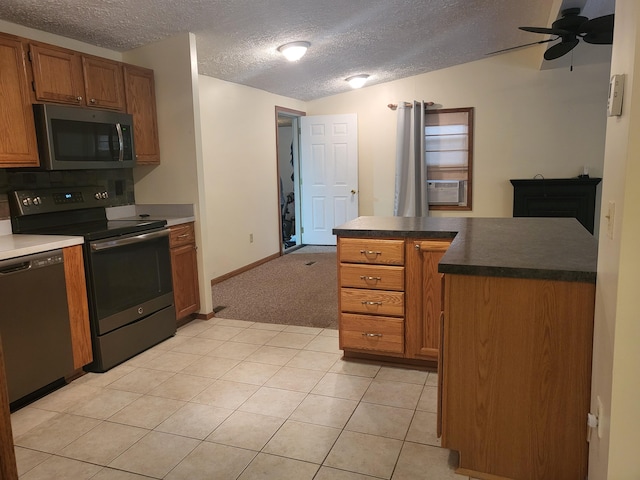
pixel 357 81
pixel 294 51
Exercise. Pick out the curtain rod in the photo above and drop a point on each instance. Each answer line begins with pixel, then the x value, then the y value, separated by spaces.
pixel 394 106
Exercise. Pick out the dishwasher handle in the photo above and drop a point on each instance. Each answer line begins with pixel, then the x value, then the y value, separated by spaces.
pixel 30 262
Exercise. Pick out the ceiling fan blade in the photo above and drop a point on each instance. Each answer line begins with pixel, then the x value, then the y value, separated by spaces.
pixel 605 38
pixel 599 30
pixel 598 25
pixel 560 49
pixel 549 31
pixel 521 46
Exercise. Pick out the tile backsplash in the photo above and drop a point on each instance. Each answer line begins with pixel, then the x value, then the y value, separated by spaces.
pixel 118 182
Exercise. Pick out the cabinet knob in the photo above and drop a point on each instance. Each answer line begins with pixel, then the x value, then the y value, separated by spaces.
pixel 93 100
pixel 79 99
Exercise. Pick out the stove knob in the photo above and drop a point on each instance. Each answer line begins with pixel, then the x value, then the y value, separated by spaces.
pixel 105 194
pixel 97 196
pixel 26 202
pixel 37 201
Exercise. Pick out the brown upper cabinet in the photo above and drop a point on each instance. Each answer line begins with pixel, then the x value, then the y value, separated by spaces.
pixel 141 103
pixel 65 76
pixel 18 147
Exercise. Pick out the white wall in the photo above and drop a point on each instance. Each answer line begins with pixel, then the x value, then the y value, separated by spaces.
pixel 178 178
pixel 240 172
pixel 527 122
pixel 616 352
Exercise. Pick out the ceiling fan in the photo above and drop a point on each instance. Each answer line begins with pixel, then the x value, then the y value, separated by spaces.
pixel 570 28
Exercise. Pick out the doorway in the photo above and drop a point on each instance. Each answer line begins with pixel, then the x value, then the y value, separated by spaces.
pixel 288 151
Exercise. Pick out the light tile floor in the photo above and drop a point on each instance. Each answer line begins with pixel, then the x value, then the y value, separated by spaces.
pixel 227 399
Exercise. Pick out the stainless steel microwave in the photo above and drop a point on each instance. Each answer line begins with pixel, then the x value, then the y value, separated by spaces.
pixel 75 138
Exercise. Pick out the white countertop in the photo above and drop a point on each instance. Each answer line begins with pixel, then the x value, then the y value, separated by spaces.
pixel 174 214
pixel 12 246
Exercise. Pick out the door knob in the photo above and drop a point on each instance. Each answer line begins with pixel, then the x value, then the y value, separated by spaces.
pixel 353 192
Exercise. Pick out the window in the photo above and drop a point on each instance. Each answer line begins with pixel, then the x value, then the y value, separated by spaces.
pixel 448 155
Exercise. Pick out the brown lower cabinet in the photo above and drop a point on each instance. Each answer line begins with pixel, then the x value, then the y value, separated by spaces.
pixel 391 297
pixel 516 375
pixel 184 269
pixel 78 306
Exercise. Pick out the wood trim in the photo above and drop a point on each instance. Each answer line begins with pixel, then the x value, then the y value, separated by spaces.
pixel 8 467
pixel 391 359
pixel 200 316
pixel 78 306
pixel 246 268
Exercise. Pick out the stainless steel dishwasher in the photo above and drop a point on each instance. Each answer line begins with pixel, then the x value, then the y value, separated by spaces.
pixel 34 323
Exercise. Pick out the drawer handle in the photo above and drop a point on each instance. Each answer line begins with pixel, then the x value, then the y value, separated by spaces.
pixel 364 277
pixel 365 302
pixel 370 252
pixel 184 235
pixel 367 334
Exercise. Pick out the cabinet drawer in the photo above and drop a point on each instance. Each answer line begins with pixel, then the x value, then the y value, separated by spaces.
pixel 372 302
pixel 182 234
pixel 371 250
pixel 364 332
pixel 372 276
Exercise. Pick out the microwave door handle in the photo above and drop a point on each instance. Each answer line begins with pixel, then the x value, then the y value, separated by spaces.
pixel 120 142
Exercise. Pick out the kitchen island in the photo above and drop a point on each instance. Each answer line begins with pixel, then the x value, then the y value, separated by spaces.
pixel 513 318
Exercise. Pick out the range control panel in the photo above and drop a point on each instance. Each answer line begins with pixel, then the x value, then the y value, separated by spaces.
pixel 30 202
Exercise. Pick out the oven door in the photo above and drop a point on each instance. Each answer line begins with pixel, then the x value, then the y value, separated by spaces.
pixel 129 278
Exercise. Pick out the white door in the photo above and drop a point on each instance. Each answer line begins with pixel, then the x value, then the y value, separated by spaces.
pixel 328 175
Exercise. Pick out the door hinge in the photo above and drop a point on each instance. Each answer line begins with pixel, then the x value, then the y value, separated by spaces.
pixel 29 55
pixel 33 85
pixel 301 229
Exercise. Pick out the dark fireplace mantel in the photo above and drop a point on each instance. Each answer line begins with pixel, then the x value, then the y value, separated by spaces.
pixel 556 197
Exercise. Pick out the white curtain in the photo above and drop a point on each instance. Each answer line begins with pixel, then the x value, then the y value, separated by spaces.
pixel 411 172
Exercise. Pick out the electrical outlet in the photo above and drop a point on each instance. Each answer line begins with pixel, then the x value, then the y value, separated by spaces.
pixel 251 238
pixel 610 216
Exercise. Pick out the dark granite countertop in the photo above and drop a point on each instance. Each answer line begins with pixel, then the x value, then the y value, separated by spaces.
pixel 524 247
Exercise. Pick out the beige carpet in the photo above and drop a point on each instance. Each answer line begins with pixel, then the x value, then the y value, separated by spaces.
pixel 298 288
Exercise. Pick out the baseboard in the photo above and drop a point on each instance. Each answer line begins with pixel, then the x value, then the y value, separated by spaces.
pixel 246 268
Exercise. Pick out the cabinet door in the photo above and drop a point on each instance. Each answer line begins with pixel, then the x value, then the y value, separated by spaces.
pixel 8 467
pixel 141 103
pixel 424 297
pixel 103 83
pixel 57 74
pixel 18 146
pixel 184 268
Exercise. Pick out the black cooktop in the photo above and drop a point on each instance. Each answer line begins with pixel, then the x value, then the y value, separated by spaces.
pixel 102 229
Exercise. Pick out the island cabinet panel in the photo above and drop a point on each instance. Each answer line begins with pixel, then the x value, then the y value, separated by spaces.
pixel 18 146
pixel 372 250
pixel 141 103
pixel 78 306
pixel 424 297
pixel 516 372
pixel 184 269
pixel 373 333
pixel 371 295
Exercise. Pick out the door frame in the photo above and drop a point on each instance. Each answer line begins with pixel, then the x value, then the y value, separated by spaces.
pixel 294 115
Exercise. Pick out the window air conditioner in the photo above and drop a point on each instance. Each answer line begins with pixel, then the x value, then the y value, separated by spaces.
pixel 444 192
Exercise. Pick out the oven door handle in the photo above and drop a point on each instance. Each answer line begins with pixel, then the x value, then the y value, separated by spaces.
pixel 107 244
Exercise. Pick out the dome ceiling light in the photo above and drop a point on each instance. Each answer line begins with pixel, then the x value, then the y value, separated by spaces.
pixel 357 81
pixel 294 51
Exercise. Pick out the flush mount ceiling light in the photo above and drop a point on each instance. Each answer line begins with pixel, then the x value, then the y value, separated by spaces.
pixel 294 51
pixel 357 81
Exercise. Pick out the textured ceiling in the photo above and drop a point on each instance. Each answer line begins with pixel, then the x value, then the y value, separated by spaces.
pixel 237 39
